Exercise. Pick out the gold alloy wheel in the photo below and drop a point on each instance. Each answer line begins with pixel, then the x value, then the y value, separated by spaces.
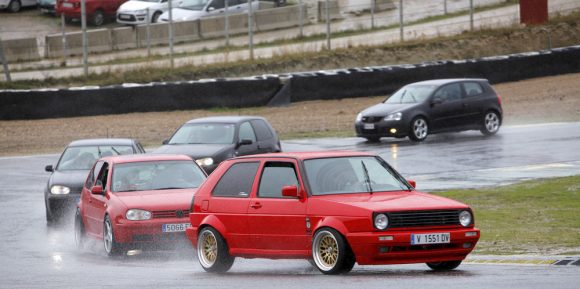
pixel 207 248
pixel 326 250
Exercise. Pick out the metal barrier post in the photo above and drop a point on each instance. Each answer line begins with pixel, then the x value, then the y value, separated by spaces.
pixel 64 44
pixel 148 29
pixel 373 2
pixel 445 7
pixel 301 18
pixel 471 15
pixel 4 62
pixel 401 20
pixel 251 29
pixel 85 39
pixel 328 44
pixel 227 23
pixel 172 62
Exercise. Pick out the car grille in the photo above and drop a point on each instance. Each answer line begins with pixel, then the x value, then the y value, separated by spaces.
pixel 423 218
pixel 370 119
pixel 127 17
pixel 171 214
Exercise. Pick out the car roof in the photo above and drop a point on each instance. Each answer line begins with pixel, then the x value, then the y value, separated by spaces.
pixel 225 119
pixel 145 158
pixel 448 80
pixel 102 141
pixel 309 155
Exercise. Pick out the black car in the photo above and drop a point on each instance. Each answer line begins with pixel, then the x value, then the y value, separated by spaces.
pixel 212 140
pixel 64 186
pixel 433 106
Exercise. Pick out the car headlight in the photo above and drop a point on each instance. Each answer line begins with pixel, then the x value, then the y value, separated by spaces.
pixel 138 215
pixel 358 117
pixel 59 190
pixel 394 116
pixel 204 162
pixel 465 218
pixel 381 221
pixel 139 12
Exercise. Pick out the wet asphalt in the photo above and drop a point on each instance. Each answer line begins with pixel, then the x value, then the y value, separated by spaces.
pixel 33 255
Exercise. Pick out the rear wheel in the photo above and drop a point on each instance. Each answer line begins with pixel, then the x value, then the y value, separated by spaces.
pixel 331 253
pixel 491 123
pixel 419 129
pixel 112 248
pixel 14 6
pixel 444 266
pixel 212 251
pixel 98 18
pixel 80 238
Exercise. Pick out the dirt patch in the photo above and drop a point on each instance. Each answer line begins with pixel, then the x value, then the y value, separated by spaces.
pixel 547 99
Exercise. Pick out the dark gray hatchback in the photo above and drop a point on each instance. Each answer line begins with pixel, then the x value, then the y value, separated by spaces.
pixel 433 106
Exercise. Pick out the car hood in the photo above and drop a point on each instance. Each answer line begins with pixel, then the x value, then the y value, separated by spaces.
pixel 180 14
pixel 160 200
pixel 383 109
pixel 72 179
pixel 136 5
pixel 195 151
pixel 365 203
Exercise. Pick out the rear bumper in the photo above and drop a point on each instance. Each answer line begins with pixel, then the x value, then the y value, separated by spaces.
pixel 148 232
pixel 369 250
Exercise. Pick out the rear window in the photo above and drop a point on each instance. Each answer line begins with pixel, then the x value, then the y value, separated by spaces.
pixel 472 89
pixel 262 129
pixel 237 181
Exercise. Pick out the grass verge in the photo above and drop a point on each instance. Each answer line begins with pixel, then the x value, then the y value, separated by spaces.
pixel 533 217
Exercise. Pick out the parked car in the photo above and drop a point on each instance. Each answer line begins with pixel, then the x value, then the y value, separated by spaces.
pixel 212 140
pixel 98 11
pixel 433 106
pixel 64 186
pixel 47 6
pixel 15 5
pixel 135 12
pixel 137 201
pixel 335 208
pixel 196 9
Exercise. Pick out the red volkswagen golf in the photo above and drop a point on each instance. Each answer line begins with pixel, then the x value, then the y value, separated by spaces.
pixel 137 201
pixel 334 208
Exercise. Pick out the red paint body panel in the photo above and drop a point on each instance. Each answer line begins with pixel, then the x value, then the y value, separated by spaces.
pixel 533 11
pixel 278 228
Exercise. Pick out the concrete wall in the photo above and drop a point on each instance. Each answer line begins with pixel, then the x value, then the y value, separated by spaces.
pixel 361 5
pixel 123 38
pixel 277 18
pixel 334 10
pixel 158 34
pixel 186 31
pixel 24 49
pixel 99 40
pixel 211 27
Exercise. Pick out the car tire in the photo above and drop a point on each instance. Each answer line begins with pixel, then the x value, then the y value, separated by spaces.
pixel 98 18
pixel 331 253
pixel 280 3
pixel 444 266
pixel 212 251
pixel 373 139
pixel 418 129
pixel 155 17
pixel 14 6
pixel 49 218
pixel 491 123
pixel 79 228
pixel 112 248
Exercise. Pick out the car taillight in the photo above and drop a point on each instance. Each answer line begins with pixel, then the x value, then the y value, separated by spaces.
pixel 499 99
pixel 77 5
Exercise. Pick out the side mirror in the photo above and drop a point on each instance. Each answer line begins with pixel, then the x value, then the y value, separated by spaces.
pixel 412 183
pixel 210 9
pixel 244 142
pixel 49 168
pixel 97 190
pixel 165 141
pixel 290 191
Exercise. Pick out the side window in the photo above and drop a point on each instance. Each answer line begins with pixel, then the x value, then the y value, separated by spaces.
pixel 262 129
pixel 91 178
pixel 472 89
pixel 237 181
pixel 247 132
pixel 275 176
pixel 217 4
pixel 449 92
pixel 102 177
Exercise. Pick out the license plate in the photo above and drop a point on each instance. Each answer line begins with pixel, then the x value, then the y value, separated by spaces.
pixel 369 126
pixel 124 16
pixel 438 238
pixel 170 228
pixel 67 5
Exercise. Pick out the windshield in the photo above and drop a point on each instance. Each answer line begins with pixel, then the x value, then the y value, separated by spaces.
pixel 196 5
pixel 160 175
pixel 411 94
pixel 346 175
pixel 151 1
pixel 206 133
pixel 83 157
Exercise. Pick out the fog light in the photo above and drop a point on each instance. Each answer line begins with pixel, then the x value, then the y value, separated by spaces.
pixel 393 130
pixel 385 238
pixel 470 234
pixel 134 252
pixel 466 245
pixel 384 249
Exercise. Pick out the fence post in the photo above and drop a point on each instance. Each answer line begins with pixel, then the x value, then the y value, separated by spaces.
pixel 227 23
pixel 373 3
pixel 251 29
pixel 4 62
pixel 172 62
pixel 401 20
pixel 148 30
pixel 301 3
pixel 327 12
pixel 85 39
pixel 471 15
pixel 64 44
pixel 445 7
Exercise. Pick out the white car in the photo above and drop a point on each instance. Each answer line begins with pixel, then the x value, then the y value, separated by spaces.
pixel 15 5
pixel 135 11
pixel 195 9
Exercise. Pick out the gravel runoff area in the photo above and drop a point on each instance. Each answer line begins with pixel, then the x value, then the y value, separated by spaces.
pixel 547 99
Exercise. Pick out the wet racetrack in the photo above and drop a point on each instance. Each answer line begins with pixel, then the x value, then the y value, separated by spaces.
pixel 34 255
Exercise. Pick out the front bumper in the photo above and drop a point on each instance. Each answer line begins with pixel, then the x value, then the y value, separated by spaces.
pixel 148 232
pixel 59 204
pixel 369 250
pixel 131 18
pixel 381 129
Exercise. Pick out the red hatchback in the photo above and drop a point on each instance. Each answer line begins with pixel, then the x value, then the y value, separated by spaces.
pixel 97 10
pixel 137 201
pixel 333 208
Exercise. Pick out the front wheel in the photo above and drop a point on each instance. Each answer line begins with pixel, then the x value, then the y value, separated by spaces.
pixel 419 129
pixel 155 17
pixel 212 251
pixel 112 248
pixel 373 139
pixel 491 123
pixel 14 6
pixel 80 238
pixel 444 266
pixel 331 253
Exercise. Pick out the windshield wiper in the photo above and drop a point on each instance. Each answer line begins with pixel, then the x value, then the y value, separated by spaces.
pixel 367 179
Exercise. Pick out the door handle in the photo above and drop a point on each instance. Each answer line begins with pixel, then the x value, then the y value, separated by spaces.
pixel 256 205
